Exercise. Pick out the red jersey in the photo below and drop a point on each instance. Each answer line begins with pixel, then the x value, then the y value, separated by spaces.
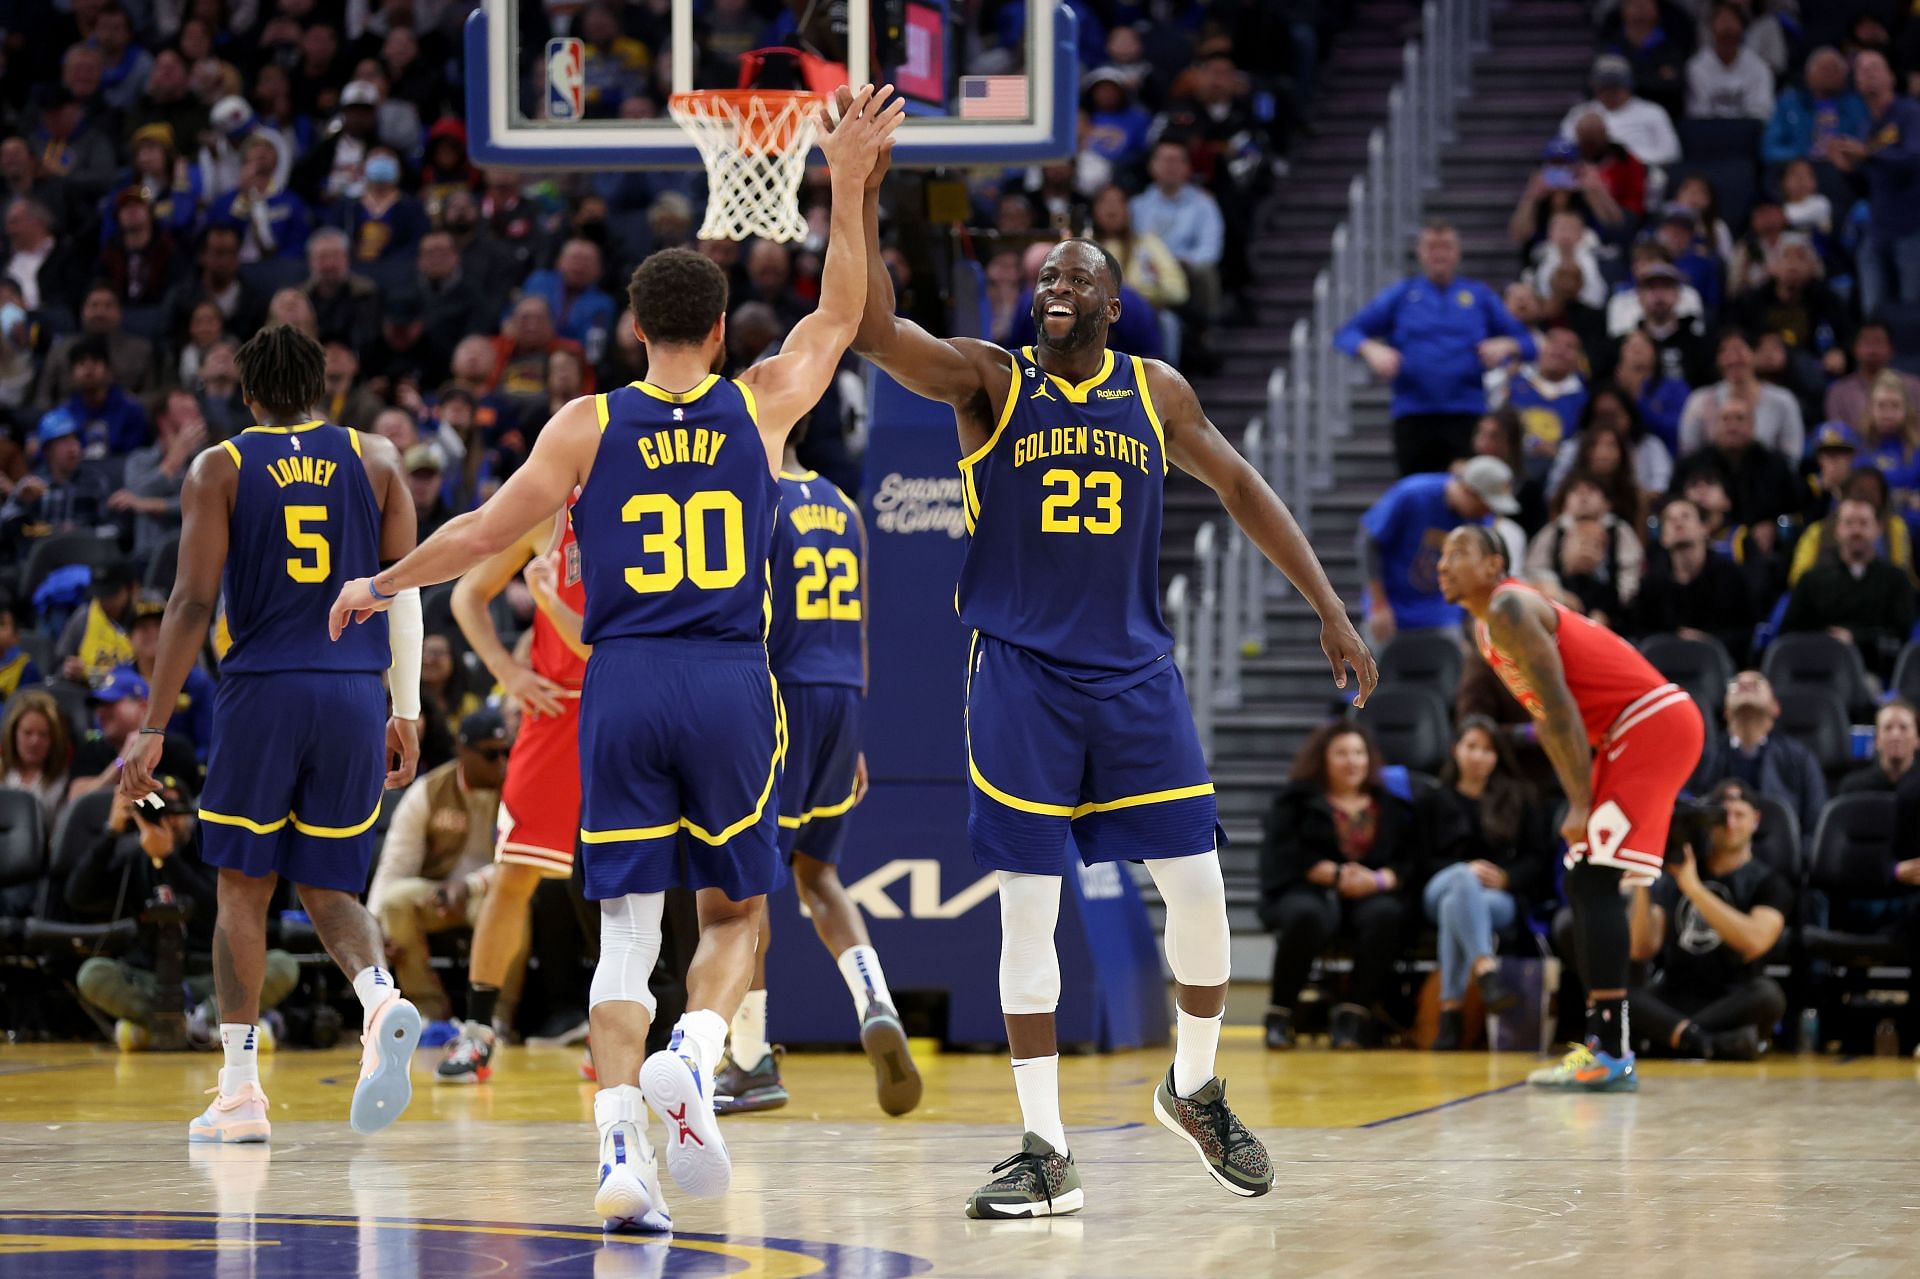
pixel 551 657
pixel 1609 679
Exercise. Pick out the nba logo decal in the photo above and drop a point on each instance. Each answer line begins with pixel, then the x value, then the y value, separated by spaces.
pixel 566 79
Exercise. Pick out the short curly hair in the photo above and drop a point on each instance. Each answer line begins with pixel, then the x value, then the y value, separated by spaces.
pixel 677 297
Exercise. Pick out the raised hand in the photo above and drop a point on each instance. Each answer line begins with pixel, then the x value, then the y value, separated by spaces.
pixel 853 144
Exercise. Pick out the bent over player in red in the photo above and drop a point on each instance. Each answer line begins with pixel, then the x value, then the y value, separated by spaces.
pixel 1622 740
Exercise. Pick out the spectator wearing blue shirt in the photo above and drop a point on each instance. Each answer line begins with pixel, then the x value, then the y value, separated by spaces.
pixel 1401 537
pixel 1890 161
pixel 1550 395
pixel 1187 219
pixel 1680 234
pixel 385 223
pixel 110 421
pixel 63 494
pixel 272 221
pixel 1432 335
pixel 1117 125
pixel 1807 120
pixel 582 310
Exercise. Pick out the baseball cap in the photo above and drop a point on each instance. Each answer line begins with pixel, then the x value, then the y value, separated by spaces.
pixel 425 457
pixel 149 604
pixel 1610 70
pixel 1666 271
pixel 57 424
pixel 483 727
pixel 1674 211
pixel 158 132
pixel 120 684
pixel 360 93
pixel 1832 436
pixel 1491 480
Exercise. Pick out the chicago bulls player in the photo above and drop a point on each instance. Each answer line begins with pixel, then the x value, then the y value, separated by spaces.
pixel 540 803
pixel 1622 741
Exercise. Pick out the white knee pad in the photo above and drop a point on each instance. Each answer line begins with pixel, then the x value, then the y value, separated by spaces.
pixel 1029 965
pixel 629 947
pixel 1199 944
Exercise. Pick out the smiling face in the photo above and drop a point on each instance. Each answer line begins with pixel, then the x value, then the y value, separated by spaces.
pixel 1076 299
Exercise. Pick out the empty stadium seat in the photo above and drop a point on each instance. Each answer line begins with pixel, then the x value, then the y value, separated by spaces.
pixel 1427 661
pixel 1703 667
pixel 1815 718
pixel 1853 857
pixel 23 838
pixel 62 549
pixel 1814 659
pixel 1906 673
pixel 1411 726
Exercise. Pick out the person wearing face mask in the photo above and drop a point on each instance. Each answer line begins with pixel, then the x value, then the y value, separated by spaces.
pixel 385 223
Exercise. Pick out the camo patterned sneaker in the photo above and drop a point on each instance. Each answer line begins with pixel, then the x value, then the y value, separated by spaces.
pixel 469 1058
pixel 1037 1182
pixel 1587 1069
pixel 737 1091
pixel 1234 1157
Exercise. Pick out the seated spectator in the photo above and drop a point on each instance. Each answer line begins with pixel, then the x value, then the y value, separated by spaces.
pixel 1657 396
pixel 192 719
pixel 1711 922
pixel 94 641
pixel 1808 212
pixel 346 306
pixel 1401 536
pixel 1562 308
pixel 218 390
pixel 1334 859
pixel 155 474
pixel 1486 849
pixel 1763 566
pixel 140 260
pixel 129 860
pixel 1592 181
pixel 64 494
pixel 1896 734
pixel 521 350
pixel 1868 484
pixel 1848 397
pixel 1526 306
pixel 1766 223
pixel 1642 127
pixel 1668 310
pixel 218 281
pixel 582 310
pixel 1798 306
pixel 451 303
pixel 124 65
pixel 120 709
pixel 403 360
pixel 1750 752
pixel 79 150
pixel 1891 441
pixel 1680 233
pixel 349 402
pixel 205 329
pixel 1615 448
pixel 35 752
pixel 384 223
pixel 333 169
pixel 219 162
pixel 616 66
pixel 1653 40
pixel 110 420
pixel 426 476
pixel 1119 124
pixel 1697 194
pixel 1569 240
pixel 1831 460
pixel 1690 589
pixel 495 262
pixel 1006 283
pixel 1806 120
pixel 1889 165
pixel 272 221
pixel 1856 596
pixel 1726 80
pixel 1590 556
pixel 1500 434
pixel 1758 480
pixel 444 695
pixel 1186 218
pixel 437 859
pixel 1777 423
pixel 49 269
pixel 1433 351
pixel 130 357
pixel 1147 265
pixel 167 103
pixel 1550 396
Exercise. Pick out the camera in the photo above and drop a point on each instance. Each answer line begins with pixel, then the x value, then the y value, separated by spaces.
pixel 1693 824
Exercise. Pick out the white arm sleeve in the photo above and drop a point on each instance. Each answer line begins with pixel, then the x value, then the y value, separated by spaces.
pixel 405 630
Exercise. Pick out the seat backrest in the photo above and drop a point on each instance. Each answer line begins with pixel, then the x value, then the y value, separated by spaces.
pixel 1816 718
pixel 1411 726
pixel 1777 842
pixel 1812 659
pixel 1702 667
pixel 62 549
pixel 71 699
pixel 23 838
pixel 1853 852
pixel 162 566
pixel 74 831
pixel 1906 673
pixel 1427 661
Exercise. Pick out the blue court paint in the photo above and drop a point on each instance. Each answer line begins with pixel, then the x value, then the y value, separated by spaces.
pixel 166 1245
pixel 1457 1101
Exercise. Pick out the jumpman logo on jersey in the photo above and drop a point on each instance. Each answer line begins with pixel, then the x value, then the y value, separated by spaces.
pixel 1041 392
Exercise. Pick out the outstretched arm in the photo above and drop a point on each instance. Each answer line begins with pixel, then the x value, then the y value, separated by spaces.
pixel 1517 626
pixel 1196 446
pixel 471 595
pixel 792 382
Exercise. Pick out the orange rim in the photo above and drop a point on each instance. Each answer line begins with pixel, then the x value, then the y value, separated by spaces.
pixel 763 117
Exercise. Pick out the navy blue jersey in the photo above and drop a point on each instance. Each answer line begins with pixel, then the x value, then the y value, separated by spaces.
pixel 305 522
pixel 819 633
pixel 676 516
pixel 1063 511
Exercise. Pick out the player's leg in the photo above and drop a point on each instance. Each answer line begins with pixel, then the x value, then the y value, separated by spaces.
pixel 748 1078
pixel 620 1012
pixel 239 1113
pixel 391 1023
pixel 499 937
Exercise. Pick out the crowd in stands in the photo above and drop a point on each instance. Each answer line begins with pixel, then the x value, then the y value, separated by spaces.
pixel 1691 415
pixel 175 174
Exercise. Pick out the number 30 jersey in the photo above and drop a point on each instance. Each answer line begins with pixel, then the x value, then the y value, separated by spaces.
pixel 305 522
pixel 1063 507
pixel 675 518
pixel 819 633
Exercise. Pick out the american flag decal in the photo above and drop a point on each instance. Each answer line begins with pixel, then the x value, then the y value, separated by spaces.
pixel 993 97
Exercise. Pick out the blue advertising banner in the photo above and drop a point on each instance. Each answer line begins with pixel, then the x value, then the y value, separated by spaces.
pixel 932 912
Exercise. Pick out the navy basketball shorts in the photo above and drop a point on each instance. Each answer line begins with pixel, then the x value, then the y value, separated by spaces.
pixel 680 738
pixel 823 752
pixel 1116 762
pixel 295 775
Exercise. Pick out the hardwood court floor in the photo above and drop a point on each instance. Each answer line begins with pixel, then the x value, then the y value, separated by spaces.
pixel 1389 1164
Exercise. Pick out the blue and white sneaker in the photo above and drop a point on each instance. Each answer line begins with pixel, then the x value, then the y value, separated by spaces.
pixel 1586 1069
pixel 674 1087
pixel 629 1197
pixel 386 1057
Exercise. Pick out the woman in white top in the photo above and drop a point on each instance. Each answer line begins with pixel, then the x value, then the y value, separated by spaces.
pixel 35 751
pixel 1612 414
pixel 1777 422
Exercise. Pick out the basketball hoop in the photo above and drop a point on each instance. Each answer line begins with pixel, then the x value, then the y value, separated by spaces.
pixel 754 143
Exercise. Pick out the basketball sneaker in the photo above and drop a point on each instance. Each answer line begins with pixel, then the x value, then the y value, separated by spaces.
pixel 737 1091
pixel 386 1055
pixel 1037 1182
pixel 629 1196
pixel 696 1154
pixel 1234 1157
pixel 469 1058
pixel 894 1074
pixel 1587 1069
pixel 233 1117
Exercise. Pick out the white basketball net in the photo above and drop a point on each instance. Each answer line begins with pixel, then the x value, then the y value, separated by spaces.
pixel 755 148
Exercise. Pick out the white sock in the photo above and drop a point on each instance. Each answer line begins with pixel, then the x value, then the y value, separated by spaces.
pixel 1037 1080
pixel 1194 1047
pixel 241 1044
pixel 705 1032
pixel 375 987
pixel 620 1104
pixel 860 966
pixel 750 1030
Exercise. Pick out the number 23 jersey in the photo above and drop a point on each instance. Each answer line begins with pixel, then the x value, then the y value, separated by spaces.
pixel 1063 508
